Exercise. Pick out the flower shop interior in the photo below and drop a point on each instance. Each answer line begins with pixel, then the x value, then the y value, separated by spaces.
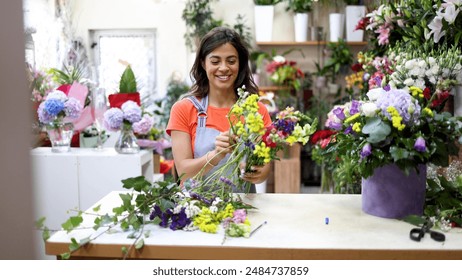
pixel 380 84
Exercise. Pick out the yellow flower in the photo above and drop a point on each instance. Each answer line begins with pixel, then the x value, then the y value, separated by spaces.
pixel 396 118
pixel 357 127
pixel 263 152
pixel 226 213
pixel 255 123
pixel 352 118
pixel 415 91
pixel 206 221
pixel 427 112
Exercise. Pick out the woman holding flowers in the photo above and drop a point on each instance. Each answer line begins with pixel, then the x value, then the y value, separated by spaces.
pixel 198 125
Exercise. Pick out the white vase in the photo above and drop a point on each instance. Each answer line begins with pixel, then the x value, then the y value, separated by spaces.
pixel 264 22
pixel 301 27
pixel 354 13
pixel 336 26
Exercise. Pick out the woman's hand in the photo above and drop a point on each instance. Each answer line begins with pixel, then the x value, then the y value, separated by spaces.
pixel 224 144
pixel 257 175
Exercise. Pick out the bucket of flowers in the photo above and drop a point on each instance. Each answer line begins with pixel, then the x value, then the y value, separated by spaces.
pixel 201 203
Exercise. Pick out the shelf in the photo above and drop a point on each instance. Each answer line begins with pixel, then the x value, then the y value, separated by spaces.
pixel 307 43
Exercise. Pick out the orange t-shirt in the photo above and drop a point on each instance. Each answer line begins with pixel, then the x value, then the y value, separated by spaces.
pixel 183 117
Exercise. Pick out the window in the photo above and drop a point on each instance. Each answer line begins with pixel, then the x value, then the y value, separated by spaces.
pixel 113 49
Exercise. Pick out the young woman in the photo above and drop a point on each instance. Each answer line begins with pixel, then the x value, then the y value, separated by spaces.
pixel 198 125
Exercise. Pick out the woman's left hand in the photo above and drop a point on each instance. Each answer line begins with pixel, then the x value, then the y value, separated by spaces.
pixel 257 175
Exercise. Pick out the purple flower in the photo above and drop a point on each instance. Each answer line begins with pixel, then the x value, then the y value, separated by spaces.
pixel 419 144
pixel 285 126
pixel 43 115
pixel 355 104
pixel 144 125
pixel 228 182
pixel 338 112
pixel 132 112
pixel 113 119
pixel 179 220
pixel 407 107
pixel 366 151
pixel 239 216
pixel 334 125
pixel 73 108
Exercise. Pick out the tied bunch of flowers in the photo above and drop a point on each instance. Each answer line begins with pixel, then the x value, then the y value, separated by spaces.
pixel 58 107
pixel 284 72
pixel 129 116
pixel 255 144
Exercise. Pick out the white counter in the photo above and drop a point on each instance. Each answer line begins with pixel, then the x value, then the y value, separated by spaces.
pixel 296 229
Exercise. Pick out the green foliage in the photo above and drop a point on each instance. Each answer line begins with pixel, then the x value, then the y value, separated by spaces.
pixel 340 57
pixel 68 75
pixel 299 6
pixel 266 2
pixel 127 81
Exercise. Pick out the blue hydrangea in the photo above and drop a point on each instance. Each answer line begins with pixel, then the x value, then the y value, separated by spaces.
pixel 43 115
pixel 53 106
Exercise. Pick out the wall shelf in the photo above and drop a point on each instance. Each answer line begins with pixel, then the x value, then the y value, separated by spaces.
pixel 307 43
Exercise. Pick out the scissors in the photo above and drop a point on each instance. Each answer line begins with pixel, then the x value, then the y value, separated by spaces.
pixel 418 233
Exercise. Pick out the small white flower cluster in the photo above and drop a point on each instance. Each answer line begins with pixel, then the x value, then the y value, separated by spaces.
pixel 442 71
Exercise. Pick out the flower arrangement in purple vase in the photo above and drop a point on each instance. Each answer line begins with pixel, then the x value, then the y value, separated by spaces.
pixel 401 119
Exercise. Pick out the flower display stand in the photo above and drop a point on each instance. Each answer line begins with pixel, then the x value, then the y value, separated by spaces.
pixel 287 178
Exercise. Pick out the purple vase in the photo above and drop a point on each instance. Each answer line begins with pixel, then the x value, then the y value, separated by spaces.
pixel 389 193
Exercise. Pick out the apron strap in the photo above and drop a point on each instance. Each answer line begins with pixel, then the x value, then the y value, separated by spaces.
pixel 201 109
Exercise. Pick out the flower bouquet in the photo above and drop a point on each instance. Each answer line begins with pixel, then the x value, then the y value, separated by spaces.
pixel 57 111
pixel 400 122
pixel 255 144
pixel 283 72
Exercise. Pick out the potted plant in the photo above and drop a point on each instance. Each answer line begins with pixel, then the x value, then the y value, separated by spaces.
pixel 264 12
pixel 199 20
pixel 355 10
pixel 300 8
pixel 340 58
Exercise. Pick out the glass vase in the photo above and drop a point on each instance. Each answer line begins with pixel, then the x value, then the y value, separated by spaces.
pixel 60 134
pixel 127 142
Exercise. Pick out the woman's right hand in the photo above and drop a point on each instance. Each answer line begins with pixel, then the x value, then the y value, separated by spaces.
pixel 224 144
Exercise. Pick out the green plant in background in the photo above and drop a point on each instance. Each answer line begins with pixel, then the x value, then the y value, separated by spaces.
pixel 266 2
pixel 199 20
pixel 175 89
pixel 299 6
pixel 340 58
pixel 243 30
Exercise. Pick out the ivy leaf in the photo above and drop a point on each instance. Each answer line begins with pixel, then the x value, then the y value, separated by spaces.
pixel 139 244
pixel 414 220
pixel 137 183
pixel 74 245
pixel 72 223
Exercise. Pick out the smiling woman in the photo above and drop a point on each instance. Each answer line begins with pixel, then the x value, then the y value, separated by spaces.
pixel 198 124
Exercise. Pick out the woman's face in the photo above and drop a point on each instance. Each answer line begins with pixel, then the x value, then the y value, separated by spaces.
pixel 222 67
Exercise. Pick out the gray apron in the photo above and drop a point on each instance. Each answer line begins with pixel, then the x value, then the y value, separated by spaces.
pixel 205 137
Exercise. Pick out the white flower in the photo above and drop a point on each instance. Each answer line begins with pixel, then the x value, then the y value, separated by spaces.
pixel 435 26
pixel 279 59
pixel 450 13
pixel 57 94
pixel 369 109
pixel 375 93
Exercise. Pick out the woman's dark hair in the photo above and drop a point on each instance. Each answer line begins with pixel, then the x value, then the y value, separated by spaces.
pixel 215 38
